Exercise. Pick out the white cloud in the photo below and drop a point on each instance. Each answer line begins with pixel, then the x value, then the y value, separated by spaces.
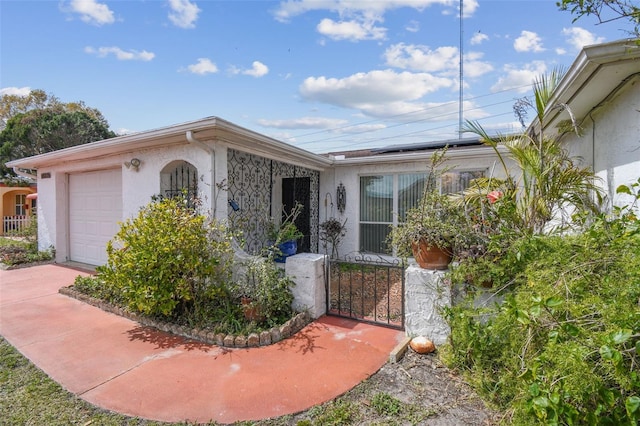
pixel 520 79
pixel 304 123
pixel 422 58
pixel 470 7
pixel 351 30
pixel 374 90
pixel 258 69
pixel 92 12
pixel 579 37
pixel 358 19
pixel 528 42
pixel 474 67
pixel 183 13
pixel 124 131
pixel 411 112
pixel 131 55
pixel 413 27
pixel 202 67
pixel 478 38
pixel 444 59
pixel 361 128
pixel 291 8
pixel 15 91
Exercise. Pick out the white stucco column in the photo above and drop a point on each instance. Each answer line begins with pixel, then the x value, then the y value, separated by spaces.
pixel 307 271
pixel 426 293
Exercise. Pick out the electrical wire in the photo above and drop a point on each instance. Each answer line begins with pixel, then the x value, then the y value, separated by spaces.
pixel 395 116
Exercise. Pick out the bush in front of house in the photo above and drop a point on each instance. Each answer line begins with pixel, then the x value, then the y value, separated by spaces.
pixel 564 346
pixel 169 260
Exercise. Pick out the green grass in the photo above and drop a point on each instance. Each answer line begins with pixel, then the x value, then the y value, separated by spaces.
pixel 9 242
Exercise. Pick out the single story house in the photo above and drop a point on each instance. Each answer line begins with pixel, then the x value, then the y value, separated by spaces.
pixel 16 204
pixel 248 178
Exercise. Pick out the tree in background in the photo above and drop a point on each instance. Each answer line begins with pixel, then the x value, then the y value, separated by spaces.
pixel 39 123
pixel 12 105
pixel 605 11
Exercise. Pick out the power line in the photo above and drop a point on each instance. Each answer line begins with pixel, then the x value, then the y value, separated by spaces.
pixel 395 116
pixel 349 145
pixel 435 117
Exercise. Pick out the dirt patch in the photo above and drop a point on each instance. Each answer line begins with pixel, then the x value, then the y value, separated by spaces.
pixel 424 380
pixel 430 394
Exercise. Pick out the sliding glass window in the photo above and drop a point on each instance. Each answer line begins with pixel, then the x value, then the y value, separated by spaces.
pixel 385 199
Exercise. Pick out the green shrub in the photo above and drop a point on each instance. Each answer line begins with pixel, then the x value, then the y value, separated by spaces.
pixel 268 288
pixel 95 287
pixel 564 347
pixel 169 260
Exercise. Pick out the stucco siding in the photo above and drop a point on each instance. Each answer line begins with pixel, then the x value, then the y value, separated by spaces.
pixel 349 175
pixel 138 187
pixel 610 140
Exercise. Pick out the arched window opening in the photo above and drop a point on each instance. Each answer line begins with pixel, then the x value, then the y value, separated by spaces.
pixel 179 178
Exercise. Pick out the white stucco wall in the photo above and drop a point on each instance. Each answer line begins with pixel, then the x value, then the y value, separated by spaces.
pixel 610 140
pixel 138 187
pixel 348 173
pixel 426 295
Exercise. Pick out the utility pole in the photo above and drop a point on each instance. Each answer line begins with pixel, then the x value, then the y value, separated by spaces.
pixel 461 76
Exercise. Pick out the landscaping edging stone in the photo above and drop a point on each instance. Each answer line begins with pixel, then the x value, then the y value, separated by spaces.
pixel 264 338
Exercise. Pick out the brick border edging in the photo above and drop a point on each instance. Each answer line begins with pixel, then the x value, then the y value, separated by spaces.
pixel 253 340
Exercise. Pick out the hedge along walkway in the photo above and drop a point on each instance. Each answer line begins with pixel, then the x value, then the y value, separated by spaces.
pixel 119 365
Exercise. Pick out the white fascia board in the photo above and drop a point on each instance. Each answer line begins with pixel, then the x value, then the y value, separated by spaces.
pixel 589 70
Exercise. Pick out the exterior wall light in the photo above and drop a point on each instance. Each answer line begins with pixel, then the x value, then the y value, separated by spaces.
pixel 134 164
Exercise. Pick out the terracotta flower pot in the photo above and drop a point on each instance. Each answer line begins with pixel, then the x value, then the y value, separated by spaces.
pixel 250 310
pixel 431 257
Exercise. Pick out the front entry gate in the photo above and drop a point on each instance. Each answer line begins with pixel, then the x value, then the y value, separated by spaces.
pixel 367 290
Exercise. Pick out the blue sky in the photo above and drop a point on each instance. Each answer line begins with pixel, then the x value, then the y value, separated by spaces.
pixel 324 75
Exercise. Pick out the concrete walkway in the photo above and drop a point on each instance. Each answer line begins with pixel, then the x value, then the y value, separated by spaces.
pixel 122 366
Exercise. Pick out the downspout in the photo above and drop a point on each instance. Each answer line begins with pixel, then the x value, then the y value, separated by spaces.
pixel 212 154
pixel 26 175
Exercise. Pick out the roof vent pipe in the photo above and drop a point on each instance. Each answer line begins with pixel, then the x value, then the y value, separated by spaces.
pixel 212 153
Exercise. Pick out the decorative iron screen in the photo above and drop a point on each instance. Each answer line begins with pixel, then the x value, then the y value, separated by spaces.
pixel 250 184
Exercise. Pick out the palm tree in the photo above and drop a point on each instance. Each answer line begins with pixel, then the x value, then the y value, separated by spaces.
pixel 550 185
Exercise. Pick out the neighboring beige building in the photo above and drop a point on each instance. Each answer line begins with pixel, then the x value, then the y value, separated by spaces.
pixel 16 204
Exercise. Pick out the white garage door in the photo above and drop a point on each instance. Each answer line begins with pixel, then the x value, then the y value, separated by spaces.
pixel 95 208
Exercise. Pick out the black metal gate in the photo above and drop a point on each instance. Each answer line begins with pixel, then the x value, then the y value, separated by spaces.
pixel 366 289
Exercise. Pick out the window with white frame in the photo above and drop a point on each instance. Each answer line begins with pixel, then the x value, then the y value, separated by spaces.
pixel 21 201
pixel 385 199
